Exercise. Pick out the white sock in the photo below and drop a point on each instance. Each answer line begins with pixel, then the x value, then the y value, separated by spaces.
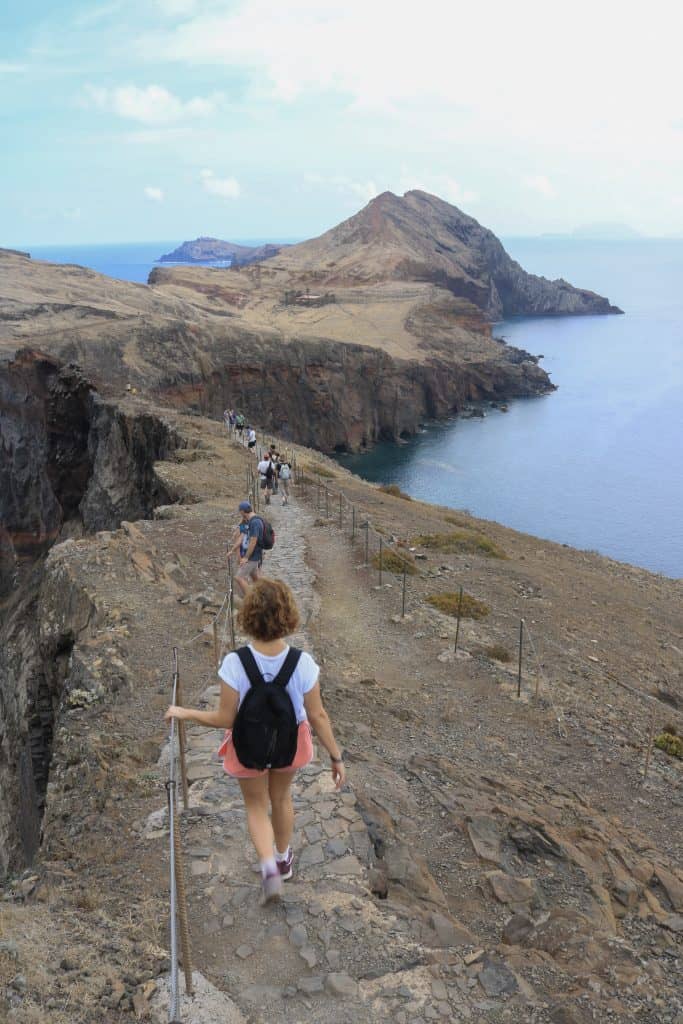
pixel 279 857
pixel 268 867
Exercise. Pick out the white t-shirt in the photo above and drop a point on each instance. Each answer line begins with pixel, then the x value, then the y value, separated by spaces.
pixel 303 679
pixel 262 467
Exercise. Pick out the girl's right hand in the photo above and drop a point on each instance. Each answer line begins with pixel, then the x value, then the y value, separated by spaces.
pixel 338 774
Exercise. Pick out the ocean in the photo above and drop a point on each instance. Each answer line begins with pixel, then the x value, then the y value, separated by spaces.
pixel 599 463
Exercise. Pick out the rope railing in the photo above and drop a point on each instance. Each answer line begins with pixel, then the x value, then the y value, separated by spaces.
pixel 178 900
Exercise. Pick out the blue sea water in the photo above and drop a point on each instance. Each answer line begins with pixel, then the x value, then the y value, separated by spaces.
pixel 598 464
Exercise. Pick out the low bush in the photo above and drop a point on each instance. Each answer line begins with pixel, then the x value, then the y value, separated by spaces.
pixel 448 604
pixel 392 562
pixel 496 652
pixel 670 744
pixel 321 471
pixel 395 491
pixel 459 541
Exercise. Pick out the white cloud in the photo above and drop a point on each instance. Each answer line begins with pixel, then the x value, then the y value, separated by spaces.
pixel 150 105
pixel 226 188
pixel 154 193
pixel 539 183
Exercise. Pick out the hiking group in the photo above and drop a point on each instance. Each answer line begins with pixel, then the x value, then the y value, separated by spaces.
pixel 270 701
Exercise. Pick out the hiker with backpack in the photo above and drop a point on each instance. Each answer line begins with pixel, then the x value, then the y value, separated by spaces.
pixel 268 704
pixel 250 563
pixel 239 424
pixel 285 475
pixel 266 472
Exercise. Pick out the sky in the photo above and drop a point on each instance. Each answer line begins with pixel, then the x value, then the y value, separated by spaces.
pixel 135 120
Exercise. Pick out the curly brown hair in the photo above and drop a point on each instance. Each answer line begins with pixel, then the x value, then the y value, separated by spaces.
pixel 269 611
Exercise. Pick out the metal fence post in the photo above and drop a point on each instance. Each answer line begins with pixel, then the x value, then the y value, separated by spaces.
pixel 403 604
pixel 341 513
pixel 327 504
pixel 367 541
pixel 380 562
pixel 457 624
pixel 353 523
pixel 519 666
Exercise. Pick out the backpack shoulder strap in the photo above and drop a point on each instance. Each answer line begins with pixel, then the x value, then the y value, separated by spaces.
pixel 250 667
pixel 288 667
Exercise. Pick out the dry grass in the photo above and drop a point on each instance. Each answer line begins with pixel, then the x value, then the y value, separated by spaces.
pixel 320 471
pixel 496 652
pixel 448 604
pixel 459 541
pixel 393 562
pixel 395 491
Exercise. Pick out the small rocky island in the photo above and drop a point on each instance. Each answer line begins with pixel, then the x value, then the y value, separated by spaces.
pixel 215 250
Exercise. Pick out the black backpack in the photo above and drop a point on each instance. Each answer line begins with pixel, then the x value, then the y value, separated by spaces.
pixel 267 541
pixel 265 732
pixel 270 472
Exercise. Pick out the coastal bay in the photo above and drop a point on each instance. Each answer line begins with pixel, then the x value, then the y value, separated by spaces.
pixel 596 464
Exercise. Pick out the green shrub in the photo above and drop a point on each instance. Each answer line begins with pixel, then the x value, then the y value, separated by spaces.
pixel 395 491
pixel 670 744
pixel 459 541
pixel 393 562
pixel 448 603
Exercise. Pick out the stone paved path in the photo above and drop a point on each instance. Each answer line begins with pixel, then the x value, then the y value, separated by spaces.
pixel 330 951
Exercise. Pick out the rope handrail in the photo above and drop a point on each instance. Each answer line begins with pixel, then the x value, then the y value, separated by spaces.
pixel 171 789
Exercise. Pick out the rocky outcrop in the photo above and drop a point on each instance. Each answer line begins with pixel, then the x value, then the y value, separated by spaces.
pixel 419 237
pixel 69 459
pixel 212 250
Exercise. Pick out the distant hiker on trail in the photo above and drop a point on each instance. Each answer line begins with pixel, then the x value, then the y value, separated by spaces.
pixel 275 460
pixel 239 423
pixel 251 437
pixel 251 561
pixel 270 695
pixel 266 472
pixel 285 475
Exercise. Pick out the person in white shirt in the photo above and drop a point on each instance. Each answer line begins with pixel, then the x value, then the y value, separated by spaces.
pixel 266 472
pixel 251 437
pixel 268 615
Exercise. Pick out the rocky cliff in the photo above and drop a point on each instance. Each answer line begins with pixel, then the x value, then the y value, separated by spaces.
pixel 70 464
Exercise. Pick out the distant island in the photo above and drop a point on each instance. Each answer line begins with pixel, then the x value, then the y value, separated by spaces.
pixel 213 250
pixel 607 231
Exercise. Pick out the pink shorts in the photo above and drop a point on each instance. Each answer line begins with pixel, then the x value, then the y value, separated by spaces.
pixel 304 755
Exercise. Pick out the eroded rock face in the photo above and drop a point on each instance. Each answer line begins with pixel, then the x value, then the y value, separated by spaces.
pixel 67 457
pixel 342 397
pixel 72 463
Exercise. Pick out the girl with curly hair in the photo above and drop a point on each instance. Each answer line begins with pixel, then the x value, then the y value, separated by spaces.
pixel 268 615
